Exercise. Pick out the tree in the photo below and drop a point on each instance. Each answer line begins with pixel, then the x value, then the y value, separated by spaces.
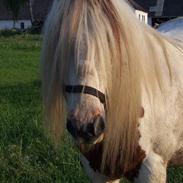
pixel 30 3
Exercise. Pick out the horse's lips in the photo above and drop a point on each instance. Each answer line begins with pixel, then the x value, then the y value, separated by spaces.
pixel 99 139
pixel 84 147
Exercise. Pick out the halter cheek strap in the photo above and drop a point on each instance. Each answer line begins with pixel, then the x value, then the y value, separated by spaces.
pixel 86 90
pixel 94 92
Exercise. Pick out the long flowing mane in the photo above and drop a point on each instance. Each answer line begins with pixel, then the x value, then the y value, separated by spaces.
pixel 126 55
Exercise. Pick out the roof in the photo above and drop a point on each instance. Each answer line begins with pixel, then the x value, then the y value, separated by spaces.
pixel 137 6
pixel 40 10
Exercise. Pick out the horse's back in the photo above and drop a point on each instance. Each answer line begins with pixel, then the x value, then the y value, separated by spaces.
pixel 173 29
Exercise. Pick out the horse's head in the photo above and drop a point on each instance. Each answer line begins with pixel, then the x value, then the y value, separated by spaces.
pixel 92 62
pixel 85 99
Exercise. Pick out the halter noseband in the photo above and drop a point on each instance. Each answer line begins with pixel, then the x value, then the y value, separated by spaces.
pixel 86 90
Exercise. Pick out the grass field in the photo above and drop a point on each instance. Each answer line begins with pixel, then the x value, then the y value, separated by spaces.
pixel 26 155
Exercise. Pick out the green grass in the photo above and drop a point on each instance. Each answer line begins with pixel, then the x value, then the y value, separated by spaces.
pixel 26 155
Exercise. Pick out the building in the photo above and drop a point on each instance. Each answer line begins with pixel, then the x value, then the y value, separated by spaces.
pixel 140 12
pixel 39 9
pixel 162 10
pixel 153 12
pixel 6 20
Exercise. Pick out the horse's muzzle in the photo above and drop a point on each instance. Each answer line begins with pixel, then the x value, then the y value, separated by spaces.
pixel 87 132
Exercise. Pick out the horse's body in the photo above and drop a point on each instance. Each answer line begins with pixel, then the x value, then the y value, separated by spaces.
pixel 162 135
pixel 141 74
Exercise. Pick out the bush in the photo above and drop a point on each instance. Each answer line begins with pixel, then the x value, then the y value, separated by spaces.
pixel 36 28
pixel 8 33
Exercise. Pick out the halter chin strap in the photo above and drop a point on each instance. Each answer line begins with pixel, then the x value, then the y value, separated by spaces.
pixel 86 90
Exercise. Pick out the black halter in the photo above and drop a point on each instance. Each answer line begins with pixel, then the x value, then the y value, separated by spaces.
pixel 86 90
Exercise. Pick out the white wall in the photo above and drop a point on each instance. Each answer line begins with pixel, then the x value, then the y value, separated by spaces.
pixel 8 24
pixel 142 16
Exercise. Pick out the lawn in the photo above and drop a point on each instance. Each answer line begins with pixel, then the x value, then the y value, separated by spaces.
pixel 26 155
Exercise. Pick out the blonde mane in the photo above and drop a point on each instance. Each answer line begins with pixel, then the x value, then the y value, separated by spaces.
pixel 126 56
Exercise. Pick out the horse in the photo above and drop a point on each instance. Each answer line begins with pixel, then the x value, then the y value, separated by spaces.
pixel 117 86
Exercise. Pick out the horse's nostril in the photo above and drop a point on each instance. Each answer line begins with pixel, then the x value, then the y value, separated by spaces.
pixel 88 131
pixel 99 126
pixel 96 128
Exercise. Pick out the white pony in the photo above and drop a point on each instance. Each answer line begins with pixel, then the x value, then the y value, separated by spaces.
pixel 119 84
